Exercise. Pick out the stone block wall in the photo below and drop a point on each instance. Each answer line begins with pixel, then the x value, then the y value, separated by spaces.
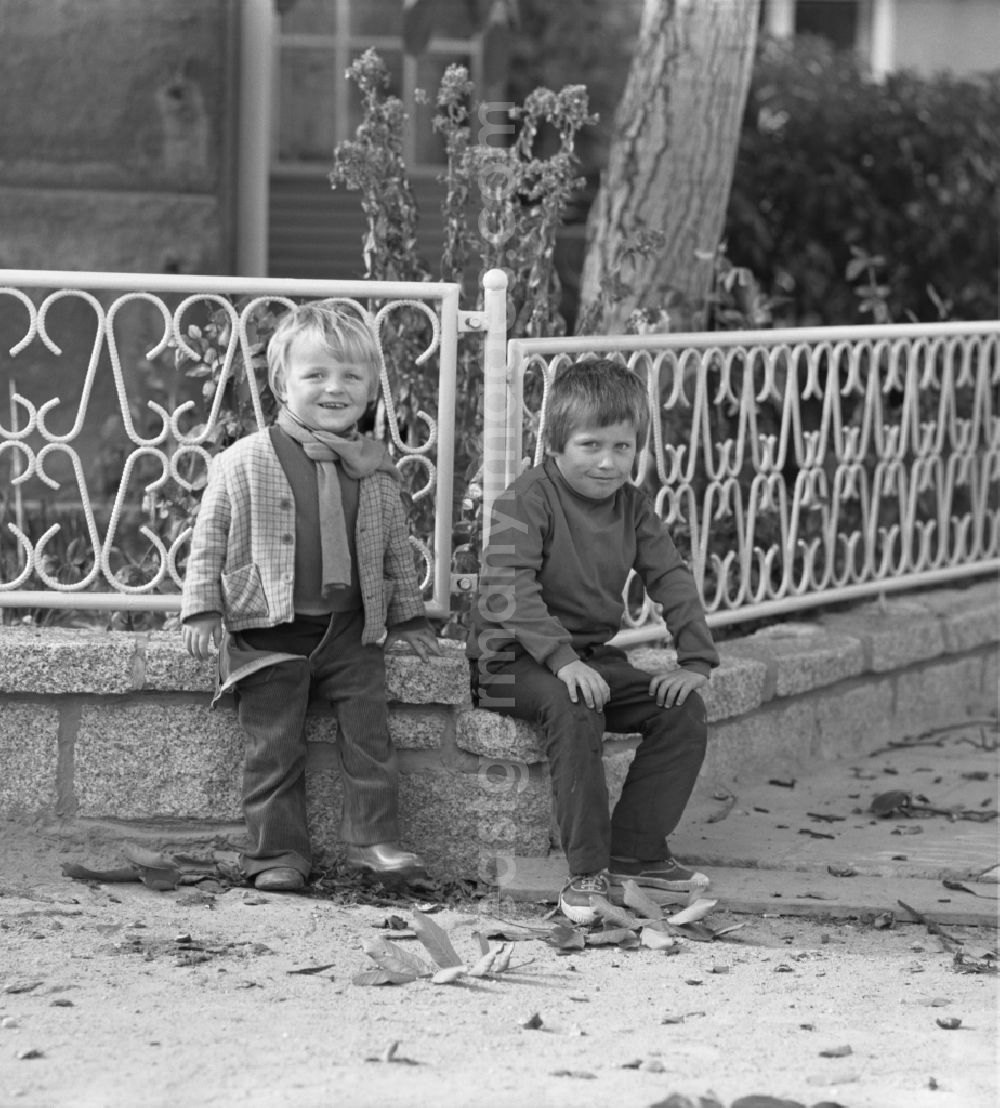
pixel 110 736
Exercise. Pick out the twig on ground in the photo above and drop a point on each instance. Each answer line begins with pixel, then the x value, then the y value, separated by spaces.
pixel 951 943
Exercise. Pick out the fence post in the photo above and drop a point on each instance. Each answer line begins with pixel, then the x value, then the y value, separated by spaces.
pixel 495 389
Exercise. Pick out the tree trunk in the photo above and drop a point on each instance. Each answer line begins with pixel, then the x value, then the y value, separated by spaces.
pixel 671 162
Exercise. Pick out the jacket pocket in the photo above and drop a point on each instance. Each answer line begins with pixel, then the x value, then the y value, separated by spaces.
pixel 243 593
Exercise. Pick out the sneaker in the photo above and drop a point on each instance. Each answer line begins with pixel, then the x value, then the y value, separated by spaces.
pixel 667 874
pixel 574 900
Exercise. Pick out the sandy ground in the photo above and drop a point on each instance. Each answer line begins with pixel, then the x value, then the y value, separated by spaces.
pixel 113 994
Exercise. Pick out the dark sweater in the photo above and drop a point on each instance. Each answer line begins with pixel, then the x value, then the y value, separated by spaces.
pixel 557 562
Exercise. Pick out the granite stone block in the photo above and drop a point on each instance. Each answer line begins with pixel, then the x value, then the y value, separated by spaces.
pixel 938 695
pixel 166 666
pixel 738 685
pixel 895 633
pixel 617 757
pixel 970 616
pixel 492 735
pixel 419 728
pixel 152 760
pixel 801 656
pixel 56 660
pixel 771 742
pixel 29 755
pixel 440 680
pixel 465 824
pixel 856 718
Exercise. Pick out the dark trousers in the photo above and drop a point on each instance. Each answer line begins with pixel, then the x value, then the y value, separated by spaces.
pixel 660 779
pixel 272 707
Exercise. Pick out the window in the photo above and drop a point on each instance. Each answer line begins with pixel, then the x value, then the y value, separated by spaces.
pixel 834 20
pixel 317 107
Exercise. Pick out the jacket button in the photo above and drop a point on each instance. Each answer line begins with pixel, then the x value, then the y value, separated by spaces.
pixel 286 504
pixel 286 539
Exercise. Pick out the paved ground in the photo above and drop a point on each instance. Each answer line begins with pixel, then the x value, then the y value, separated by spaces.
pixel 811 845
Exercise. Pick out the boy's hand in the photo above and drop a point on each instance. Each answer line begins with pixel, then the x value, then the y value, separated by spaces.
pixel 670 690
pixel 421 641
pixel 578 677
pixel 198 634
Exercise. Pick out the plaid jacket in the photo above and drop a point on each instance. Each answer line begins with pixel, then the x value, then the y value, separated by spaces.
pixel 242 559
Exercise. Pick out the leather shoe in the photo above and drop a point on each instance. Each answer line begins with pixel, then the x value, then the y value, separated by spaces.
pixel 279 879
pixel 386 858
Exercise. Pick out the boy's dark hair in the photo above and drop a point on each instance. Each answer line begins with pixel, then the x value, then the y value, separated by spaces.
pixel 594 392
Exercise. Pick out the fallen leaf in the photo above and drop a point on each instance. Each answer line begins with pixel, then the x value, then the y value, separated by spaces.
pixel 395 959
pixel 640 901
pixel 448 976
pixel 31 1053
pixel 836 1051
pixel 583 1075
pixel 789 784
pixel 609 913
pixel 727 807
pixel 842 871
pixel 311 969
pixel 696 911
pixel 611 936
pixel 533 1022
pixel 949 1023
pixel 435 940
pixel 957 886
pixel 888 803
pixel 565 938
pixel 966 963
pixel 484 964
pixel 657 940
pixel 382 977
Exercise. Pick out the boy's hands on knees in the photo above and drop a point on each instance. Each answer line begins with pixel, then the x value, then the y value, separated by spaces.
pixel 421 640
pixel 200 633
pixel 670 690
pixel 582 679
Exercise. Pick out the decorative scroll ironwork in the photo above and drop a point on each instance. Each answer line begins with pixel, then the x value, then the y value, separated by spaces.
pixel 799 468
pixel 160 468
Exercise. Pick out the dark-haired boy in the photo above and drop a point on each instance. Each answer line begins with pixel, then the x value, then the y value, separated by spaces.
pixel 564 537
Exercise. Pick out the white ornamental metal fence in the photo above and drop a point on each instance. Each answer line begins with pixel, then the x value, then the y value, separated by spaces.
pixel 795 468
pixel 120 387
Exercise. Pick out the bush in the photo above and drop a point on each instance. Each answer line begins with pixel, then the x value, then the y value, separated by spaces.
pixel 907 170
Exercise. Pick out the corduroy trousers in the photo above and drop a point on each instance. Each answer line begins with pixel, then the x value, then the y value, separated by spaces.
pixel 271 703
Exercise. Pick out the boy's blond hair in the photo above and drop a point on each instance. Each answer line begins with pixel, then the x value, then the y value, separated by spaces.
pixel 340 325
pixel 594 392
